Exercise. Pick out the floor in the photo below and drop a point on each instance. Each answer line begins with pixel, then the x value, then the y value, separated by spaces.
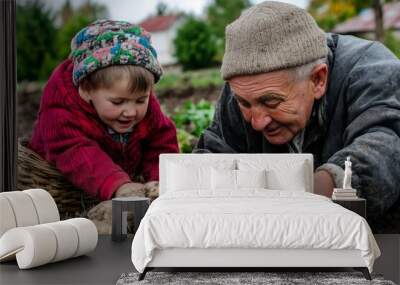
pixel 102 266
pixel 389 262
pixel 111 259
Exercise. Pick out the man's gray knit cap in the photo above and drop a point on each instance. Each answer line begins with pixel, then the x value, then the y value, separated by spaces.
pixel 271 36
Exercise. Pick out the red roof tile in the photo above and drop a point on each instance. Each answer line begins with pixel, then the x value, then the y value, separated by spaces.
pixel 365 21
pixel 159 23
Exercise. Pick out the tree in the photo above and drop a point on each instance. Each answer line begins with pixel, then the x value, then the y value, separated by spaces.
pixel 328 13
pixel 73 22
pixel 195 44
pixel 93 10
pixel 66 12
pixel 220 13
pixel 161 9
pixel 77 20
pixel 379 30
pixel 35 34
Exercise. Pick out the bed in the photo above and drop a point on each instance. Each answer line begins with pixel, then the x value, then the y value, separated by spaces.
pixel 246 211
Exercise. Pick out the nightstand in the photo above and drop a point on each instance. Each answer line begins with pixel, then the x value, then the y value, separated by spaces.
pixel 357 205
pixel 120 208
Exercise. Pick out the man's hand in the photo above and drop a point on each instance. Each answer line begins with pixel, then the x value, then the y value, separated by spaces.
pixel 151 189
pixel 323 183
pixel 131 189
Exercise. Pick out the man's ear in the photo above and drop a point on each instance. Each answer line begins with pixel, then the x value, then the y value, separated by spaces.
pixel 319 80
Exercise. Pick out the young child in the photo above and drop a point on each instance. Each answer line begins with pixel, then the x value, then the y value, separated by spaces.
pixel 99 121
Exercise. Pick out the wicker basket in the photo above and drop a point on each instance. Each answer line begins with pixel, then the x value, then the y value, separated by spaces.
pixel 35 172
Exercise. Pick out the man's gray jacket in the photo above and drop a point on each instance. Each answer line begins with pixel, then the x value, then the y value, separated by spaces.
pixel 359 116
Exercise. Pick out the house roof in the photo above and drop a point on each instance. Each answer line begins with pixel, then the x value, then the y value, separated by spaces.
pixel 159 23
pixel 365 21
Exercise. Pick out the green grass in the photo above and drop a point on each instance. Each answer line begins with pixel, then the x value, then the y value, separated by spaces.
pixel 190 79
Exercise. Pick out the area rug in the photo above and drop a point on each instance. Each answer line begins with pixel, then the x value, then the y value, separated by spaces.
pixel 268 278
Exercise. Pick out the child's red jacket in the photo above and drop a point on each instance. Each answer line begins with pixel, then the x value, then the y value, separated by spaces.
pixel 69 134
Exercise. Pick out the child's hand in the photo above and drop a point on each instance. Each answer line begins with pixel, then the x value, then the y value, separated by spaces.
pixel 130 189
pixel 100 215
pixel 101 211
pixel 151 189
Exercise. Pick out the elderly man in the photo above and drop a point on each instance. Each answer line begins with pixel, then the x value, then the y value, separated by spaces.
pixel 292 88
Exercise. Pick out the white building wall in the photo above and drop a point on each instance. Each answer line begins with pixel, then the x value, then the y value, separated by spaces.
pixel 163 42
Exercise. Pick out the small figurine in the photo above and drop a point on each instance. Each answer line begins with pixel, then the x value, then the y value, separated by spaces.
pixel 347 174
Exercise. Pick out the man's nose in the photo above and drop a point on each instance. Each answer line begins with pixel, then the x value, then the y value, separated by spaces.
pixel 260 119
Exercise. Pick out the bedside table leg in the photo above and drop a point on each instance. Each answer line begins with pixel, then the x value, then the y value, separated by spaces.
pixel 142 275
pixel 364 271
pixel 117 222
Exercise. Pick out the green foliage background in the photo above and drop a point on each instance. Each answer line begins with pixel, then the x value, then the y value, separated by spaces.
pixel 221 13
pixel 329 13
pixel 191 120
pixel 392 43
pixel 195 45
pixel 41 44
pixel 35 36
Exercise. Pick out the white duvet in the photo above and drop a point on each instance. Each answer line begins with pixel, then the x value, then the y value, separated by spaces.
pixel 250 219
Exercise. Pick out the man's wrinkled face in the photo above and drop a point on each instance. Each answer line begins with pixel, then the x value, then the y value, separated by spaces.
pixel 275 104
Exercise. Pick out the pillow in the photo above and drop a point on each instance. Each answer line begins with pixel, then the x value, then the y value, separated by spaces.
pixel 223 179
pixel 285 174
pixel 227 179
pixel 290 178
pixel 193 173
pixel 251 178
pixel 188 177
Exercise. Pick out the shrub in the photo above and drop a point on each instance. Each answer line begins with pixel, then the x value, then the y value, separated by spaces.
pixel 191 120
pixel 220 13
pixel 195 45
pixel 392 43
pixel 194 117
pixel 186 141
pixel 35 36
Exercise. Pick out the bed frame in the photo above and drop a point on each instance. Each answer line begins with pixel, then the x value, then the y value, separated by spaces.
pixel 246 259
